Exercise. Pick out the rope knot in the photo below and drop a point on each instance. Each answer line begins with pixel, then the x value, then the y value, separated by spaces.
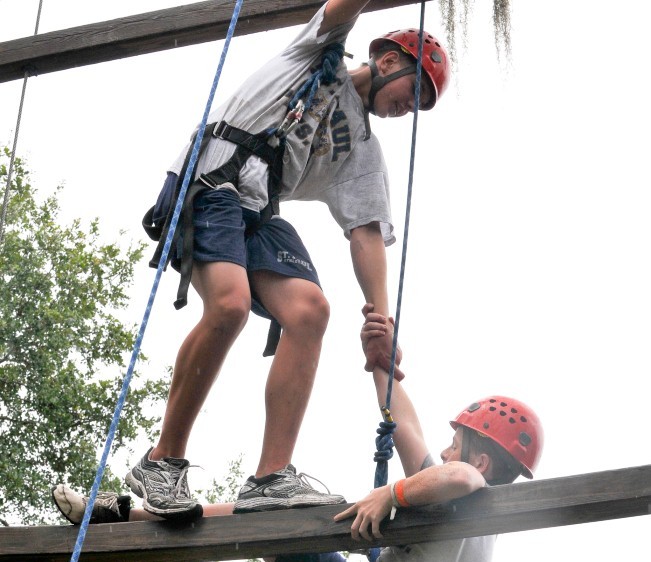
pixel 384 452
pixel 325 74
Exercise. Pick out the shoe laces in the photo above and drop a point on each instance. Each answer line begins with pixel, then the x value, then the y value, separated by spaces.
pixel 181 487
pixel 303 478
pixel 108 500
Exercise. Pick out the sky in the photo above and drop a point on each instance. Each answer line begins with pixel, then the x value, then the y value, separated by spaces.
pixel 527 270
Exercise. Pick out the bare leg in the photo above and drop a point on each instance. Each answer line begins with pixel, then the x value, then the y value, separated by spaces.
pixel 224 290
pixel 209 510
pixel 302 310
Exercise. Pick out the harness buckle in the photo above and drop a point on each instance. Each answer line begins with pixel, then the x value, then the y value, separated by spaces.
pixel 291 119
pixel 205 180
pixel 218 129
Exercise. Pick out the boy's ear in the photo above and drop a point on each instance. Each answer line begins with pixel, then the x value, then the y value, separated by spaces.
pixel 483 463
pixel 388 62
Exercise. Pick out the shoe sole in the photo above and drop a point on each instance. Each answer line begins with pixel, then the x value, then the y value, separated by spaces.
pixel 138 488
pixel 272 504
pixel 56 502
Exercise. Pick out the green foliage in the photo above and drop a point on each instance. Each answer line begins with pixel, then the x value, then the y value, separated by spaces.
pixel 227 491
pixel 62 352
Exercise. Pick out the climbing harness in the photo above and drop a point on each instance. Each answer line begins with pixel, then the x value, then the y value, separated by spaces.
pixel 157 220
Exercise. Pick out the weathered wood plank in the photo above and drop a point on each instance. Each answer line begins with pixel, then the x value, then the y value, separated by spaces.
pixel 153 31
pixel 524 506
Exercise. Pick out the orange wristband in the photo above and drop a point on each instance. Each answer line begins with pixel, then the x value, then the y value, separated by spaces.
pixel 400 493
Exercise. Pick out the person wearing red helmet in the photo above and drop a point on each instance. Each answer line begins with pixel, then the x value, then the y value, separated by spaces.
pixel 296 129
pixel 434 60
pixel 496 439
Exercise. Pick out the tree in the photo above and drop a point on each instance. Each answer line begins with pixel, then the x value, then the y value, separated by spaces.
pixel 62 350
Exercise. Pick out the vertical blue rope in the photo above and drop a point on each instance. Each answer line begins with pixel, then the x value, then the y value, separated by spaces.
pixel 161 266
pixel 384 441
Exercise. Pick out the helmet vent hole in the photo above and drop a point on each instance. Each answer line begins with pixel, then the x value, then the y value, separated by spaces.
pixel 492 408
pixel 503 404
pixel 474 407
pixel 525 439
pixel 511 420
pixel 486 425
pixel 514 410
pixel 502 413
pixel 523 419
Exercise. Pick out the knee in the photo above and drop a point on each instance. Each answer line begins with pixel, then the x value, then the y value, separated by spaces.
pixel 309 315
pixel 229 312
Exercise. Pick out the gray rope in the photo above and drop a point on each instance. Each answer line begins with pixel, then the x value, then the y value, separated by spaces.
pixel 5 202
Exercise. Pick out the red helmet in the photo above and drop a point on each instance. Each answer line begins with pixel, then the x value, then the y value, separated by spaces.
pixel 510 423
pixel 435 58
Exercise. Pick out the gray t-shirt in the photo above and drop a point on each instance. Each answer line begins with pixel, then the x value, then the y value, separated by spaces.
pixel 326 158
pixel 473 549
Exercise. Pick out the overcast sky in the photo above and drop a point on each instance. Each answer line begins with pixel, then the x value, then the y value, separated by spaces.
pixel 528 270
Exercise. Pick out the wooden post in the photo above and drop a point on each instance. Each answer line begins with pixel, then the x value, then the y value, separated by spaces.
pixel 524 506
pixel 152 32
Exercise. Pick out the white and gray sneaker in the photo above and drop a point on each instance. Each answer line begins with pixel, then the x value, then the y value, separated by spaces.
pixel 163 487
pixel 283 489
pixel 109 507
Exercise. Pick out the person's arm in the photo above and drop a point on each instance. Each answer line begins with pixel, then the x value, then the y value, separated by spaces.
pixel 436 484
pixel 338 12
pixel 408 436
pixel 370 266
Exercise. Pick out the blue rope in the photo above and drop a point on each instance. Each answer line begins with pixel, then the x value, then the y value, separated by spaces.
pixel 161 266
pixel 326 74
pixel 384 442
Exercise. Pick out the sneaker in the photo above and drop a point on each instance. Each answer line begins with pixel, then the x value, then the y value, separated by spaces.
pixel 282 489
pixel 109 507
pixel 163 487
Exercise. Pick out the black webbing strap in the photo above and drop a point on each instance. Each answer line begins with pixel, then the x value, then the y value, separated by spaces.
pixel 247 145
pixel 148 219
pixel 228 172
pixel 273 337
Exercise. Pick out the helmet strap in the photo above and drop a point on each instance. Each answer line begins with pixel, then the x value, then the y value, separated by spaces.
pixel 378 82
pixel 465 444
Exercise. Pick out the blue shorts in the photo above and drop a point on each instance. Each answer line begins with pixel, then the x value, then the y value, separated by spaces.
pixel 226 231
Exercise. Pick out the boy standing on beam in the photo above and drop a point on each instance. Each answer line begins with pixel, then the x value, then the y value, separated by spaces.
pixel 241 255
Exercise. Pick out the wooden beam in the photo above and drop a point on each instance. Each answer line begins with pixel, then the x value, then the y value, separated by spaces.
pixel 152 32
pixel 524 506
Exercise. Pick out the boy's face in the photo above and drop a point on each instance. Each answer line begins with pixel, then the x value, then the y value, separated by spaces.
pixel 397 98
pixel 453 452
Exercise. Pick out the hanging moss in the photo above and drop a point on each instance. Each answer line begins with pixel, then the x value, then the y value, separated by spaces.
pixel 456 15
pixel 502 27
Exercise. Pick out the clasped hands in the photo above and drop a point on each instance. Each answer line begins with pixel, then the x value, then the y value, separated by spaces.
pixel 377 342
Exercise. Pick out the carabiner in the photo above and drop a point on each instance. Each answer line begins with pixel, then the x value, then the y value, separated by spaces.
pixel 291 120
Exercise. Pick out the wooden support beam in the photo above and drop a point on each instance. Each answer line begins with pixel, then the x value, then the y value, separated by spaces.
pixel 524 506
pixel 153 31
